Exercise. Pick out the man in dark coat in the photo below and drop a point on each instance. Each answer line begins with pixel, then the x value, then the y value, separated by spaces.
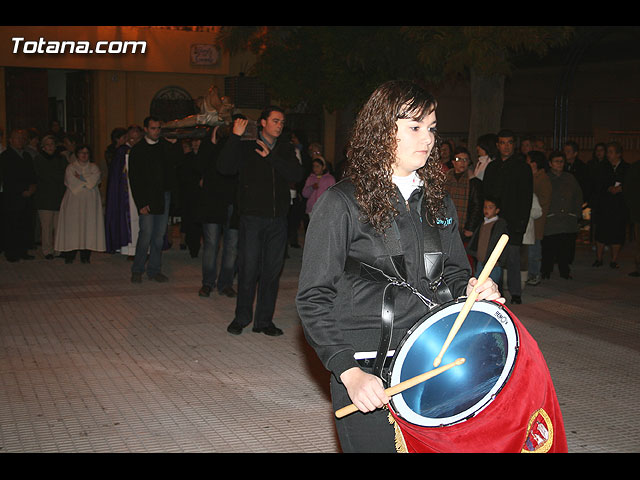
pixel 580 171
pixel 152 172
pixel 509 179
pixel 265 167
pixel 190 192
pixel 18 178
pixel 577 168
pixel 218 215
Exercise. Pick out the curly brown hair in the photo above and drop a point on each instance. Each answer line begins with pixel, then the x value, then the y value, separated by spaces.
pixel 371 153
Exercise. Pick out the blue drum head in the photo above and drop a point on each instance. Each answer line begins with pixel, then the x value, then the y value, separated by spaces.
pixel 487 340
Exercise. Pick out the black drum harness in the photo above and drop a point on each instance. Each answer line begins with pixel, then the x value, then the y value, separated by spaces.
pixel 434 267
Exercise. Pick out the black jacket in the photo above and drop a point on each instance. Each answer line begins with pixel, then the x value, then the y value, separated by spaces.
pixel 17 174
pixel 218 191
pixel 511 181
pixel 580 171
pixel 152 172
pixel 50 171
pixel 609 205
pixel 339 308
pixel 263 182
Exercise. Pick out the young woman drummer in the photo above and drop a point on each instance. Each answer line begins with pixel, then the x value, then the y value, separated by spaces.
pixel 388 221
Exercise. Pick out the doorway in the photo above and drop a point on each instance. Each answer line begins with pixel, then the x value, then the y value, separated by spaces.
pixel 37 97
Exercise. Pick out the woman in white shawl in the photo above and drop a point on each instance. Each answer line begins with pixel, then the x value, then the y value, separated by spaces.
pixel 80 221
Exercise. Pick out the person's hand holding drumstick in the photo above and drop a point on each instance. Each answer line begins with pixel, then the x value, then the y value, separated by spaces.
pixel 365 390
pixel 488 290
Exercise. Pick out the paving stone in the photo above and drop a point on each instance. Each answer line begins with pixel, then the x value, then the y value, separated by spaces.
pixel 92 363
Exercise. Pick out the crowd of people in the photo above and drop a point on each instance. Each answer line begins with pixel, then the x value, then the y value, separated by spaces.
pixel 542 201
pixel 50 195
pixel 411 211
pixel 242 208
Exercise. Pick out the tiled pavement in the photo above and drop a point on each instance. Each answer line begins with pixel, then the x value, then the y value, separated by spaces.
pixel 92 363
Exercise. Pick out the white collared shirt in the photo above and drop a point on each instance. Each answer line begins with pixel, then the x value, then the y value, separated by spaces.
pixel 407 184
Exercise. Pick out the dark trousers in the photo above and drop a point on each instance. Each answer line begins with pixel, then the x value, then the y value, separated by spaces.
pixel 193 236
pixel 513 269
pixel 261 246
pixel 558 249
pixel 18 233
pixel 294 218
pixel 361 432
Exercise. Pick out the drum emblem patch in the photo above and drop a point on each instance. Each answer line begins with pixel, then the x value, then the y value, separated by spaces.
pixel 539 433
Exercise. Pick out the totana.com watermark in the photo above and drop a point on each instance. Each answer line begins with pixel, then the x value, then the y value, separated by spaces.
pixel 20 45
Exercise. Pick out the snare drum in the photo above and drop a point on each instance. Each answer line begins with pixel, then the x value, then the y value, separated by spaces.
pixel 501 399
pixel 488 340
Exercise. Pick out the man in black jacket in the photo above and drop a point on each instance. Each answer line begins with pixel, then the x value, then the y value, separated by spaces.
pixel 18 179
pixel 151 174
pixel 265 168
pixel 217 214
pixel 509 179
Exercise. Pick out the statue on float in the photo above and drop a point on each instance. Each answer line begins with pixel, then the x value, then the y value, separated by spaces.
pixel 214 110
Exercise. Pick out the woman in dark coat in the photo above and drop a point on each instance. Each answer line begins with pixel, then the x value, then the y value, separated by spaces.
pixel 611 213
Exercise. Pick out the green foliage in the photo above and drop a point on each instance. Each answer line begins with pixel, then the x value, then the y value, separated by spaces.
pixel 487 49
pixel 334 66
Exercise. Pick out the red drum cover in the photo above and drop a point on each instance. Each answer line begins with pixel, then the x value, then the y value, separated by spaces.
pixel 525 416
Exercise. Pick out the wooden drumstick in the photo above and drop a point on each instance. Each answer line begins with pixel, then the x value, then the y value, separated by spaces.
pixel 402 386
pixel 486 271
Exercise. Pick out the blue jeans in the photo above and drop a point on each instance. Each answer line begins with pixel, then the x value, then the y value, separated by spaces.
pixel 212 233
pixel 495 275
pixel 535 257
pixel 151 240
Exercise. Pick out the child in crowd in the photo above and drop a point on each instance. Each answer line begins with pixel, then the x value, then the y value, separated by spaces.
pixel 485 238
pixel 317 183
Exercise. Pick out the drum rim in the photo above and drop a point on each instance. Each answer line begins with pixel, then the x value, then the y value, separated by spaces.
pixel 486 400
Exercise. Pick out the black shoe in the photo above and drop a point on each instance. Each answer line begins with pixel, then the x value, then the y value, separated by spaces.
pixel 567 276
pixel 26 256
pixel 597 263
pixel 516 299
pixel 271 330
pixel 545 276
pixel 234 328
pixel 136 277
pixel 614 265
pixel 49 256
pixel 159 277
pixel 229 292
pixel 635 274
pixel 205 291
